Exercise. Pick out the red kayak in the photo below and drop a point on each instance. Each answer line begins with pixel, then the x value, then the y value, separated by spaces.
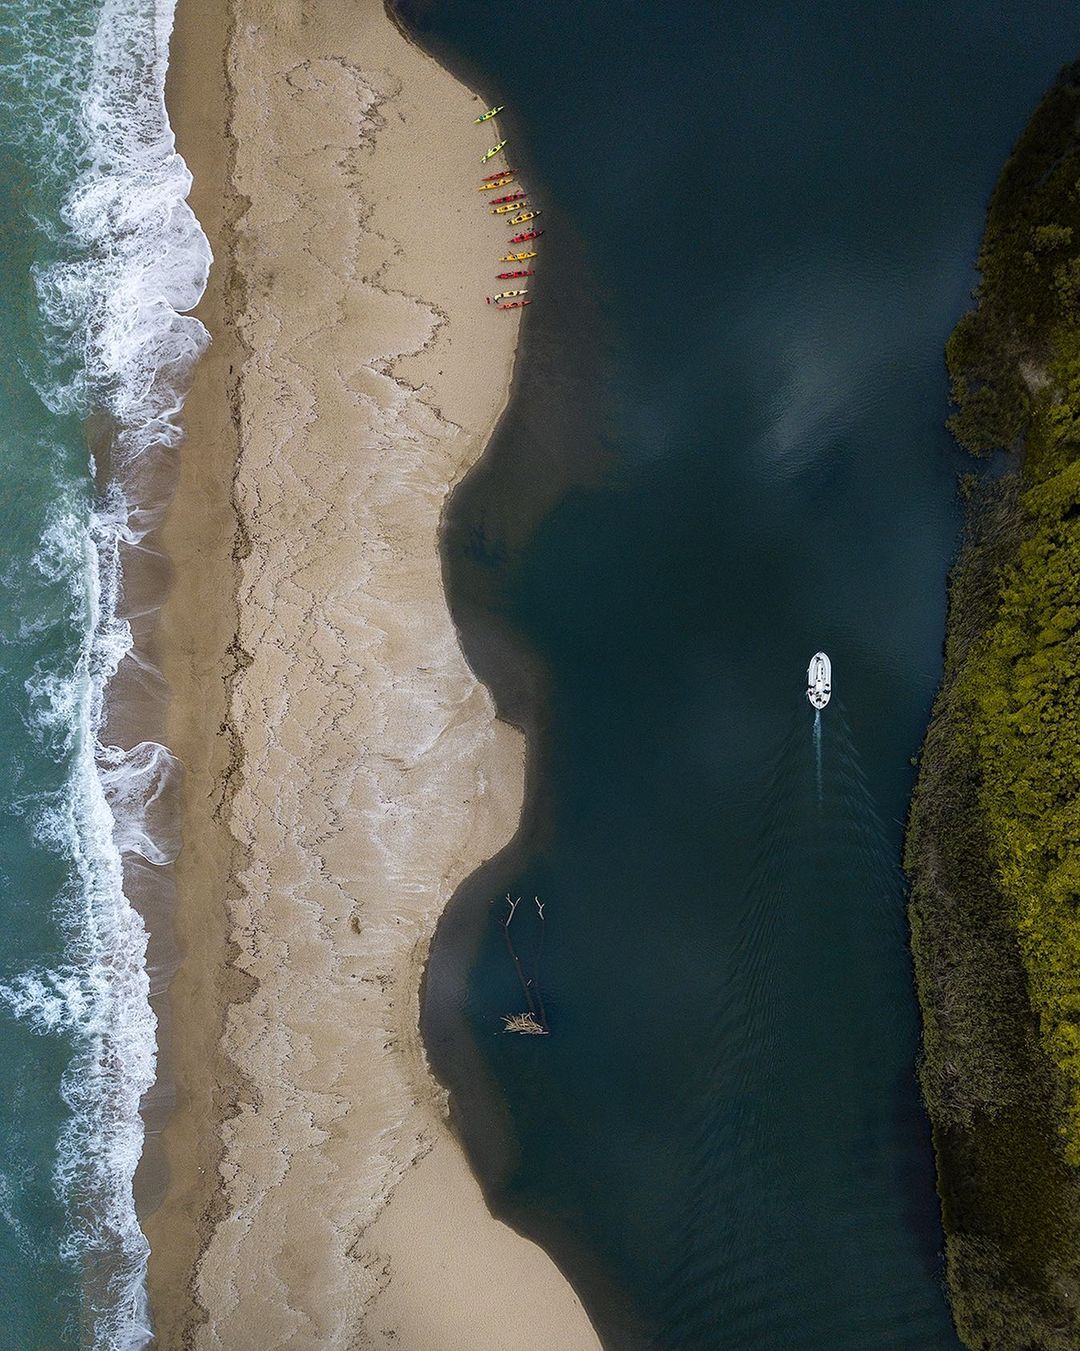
pixel 529 234
pixel 504 175
pixel 509 276
pixel 515 305
pixel 513 197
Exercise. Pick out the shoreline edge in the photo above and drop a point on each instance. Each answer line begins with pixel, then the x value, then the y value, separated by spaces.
pixel 344 767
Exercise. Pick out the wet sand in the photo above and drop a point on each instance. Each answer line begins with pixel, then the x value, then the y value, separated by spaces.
pixel 344 768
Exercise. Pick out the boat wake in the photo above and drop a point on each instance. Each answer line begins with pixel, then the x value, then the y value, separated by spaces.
pixel 770 1030
pixel 859 826
pixel 122 257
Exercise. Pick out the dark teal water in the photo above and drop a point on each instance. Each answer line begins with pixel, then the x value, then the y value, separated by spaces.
pixel 725 451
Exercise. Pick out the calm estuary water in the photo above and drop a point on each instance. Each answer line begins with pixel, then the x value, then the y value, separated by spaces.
pixel 725 451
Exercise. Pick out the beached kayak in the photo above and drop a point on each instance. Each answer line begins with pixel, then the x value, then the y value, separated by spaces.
pixel 515 305
pixel 525 235
pixel 509 206
pixel 510 197
pixel 525 215
pixel 506 295
pixel 517 257
pixel 486 117
pixel 492 152
pixel 498 180
pixel 521 272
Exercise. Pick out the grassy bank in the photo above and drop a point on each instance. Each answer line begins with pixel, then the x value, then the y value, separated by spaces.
pixel 993 847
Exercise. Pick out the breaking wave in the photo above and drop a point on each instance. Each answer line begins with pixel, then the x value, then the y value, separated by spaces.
pixel 123 257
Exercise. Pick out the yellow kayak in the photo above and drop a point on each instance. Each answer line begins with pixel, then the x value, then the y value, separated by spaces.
pixel 500 182
pixel 517 257
pixel 525 215
pixel 493 152
pixel 486 117
pixel 509 206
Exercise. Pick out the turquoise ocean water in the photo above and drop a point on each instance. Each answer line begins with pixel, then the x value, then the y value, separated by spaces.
pixel 99 254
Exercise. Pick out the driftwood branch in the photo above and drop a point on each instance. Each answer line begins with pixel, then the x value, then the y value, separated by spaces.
pixel 525 1023
pixel 513 905
pixel 536 965
pixel 534 1022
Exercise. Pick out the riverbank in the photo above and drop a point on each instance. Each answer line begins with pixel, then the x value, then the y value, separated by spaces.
pixel 345 770
pixel 993 841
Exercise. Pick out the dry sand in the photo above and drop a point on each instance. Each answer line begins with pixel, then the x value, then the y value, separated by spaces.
pixel 344 768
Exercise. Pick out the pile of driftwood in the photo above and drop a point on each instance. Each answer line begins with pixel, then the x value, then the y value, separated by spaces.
pixel 533 1022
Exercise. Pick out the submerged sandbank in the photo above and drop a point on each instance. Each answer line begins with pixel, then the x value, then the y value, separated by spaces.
pixel 345 769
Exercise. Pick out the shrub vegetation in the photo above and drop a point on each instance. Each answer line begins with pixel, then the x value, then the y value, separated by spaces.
pixel 993 848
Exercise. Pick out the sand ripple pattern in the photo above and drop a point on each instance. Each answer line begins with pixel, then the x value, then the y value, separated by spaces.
pixel 370 774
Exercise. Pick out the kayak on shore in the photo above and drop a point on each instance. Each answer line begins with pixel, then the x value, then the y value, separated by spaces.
pixel 490 154
pixel 525 235
pixel 486 117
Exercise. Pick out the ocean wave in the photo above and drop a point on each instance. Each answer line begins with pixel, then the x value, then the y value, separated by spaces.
pixel 136 784
pixel 141 257
pixel 125 258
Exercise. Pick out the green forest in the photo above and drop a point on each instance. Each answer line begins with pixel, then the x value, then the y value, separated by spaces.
pixel 993 848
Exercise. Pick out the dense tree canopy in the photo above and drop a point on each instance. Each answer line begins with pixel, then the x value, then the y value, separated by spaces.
pixel 994 841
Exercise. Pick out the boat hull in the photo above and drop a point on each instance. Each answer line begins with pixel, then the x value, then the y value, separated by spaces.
pixel 819 680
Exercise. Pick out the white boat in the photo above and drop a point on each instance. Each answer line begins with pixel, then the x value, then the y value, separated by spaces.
pixel 819 680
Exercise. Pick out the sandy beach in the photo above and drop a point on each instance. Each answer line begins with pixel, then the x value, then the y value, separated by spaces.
pixel 344 769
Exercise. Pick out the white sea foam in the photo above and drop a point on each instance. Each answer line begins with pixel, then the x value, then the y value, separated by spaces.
pixel 129 256
pixel 135 783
